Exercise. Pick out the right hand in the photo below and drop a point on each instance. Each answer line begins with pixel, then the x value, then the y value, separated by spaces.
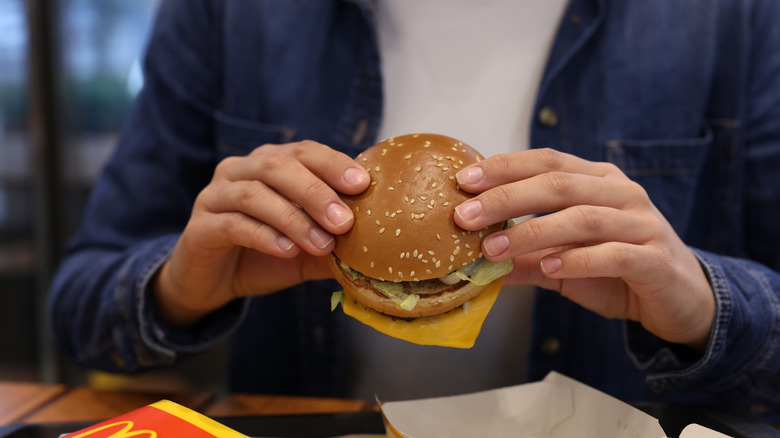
pixel 265 222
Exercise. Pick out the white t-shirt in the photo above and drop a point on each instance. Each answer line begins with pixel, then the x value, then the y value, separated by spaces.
pixel 467 69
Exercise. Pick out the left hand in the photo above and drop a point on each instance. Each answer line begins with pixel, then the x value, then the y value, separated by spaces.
pixel 603 245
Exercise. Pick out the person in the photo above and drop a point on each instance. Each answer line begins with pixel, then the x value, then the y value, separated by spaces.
pixel 652 177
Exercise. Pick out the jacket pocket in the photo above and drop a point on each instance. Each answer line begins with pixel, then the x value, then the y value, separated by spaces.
pixel 238 136
pixel 668 169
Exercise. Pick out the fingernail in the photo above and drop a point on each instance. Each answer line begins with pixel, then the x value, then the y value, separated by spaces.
pixel 355 176
pixel 469 175
pixel 284 243
pixel 495 244
pixel 469 210
pixel 319 238
pixel 550 265
pixel 338 214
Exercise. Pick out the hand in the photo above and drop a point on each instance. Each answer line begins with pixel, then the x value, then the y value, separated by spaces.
pixel 604 244
pixel 263 223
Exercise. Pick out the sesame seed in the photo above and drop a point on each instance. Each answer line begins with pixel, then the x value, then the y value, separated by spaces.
pixel 441 195
pixel 430 206
pixel 431 253
pixel 368 212
pixel 384 152
pixel 393 214
pixel 422 198
pixel 457 250
pixel 376 168
pixel 373 183
pixel 433 186
pixel 372 264
pixel 397 231
pixel 429 271
pixel 390 269
pixel 400 274
pixel 438 237
pixel 403 254
pixel 357 208
pixel 365 249
pixel 446 203
pixel 391 188
pixel 381 230
pixel 449 268
pixel 418 168
pixel 451 177
pixel 377 222
pixel 387 213
pixel 411 274
pixel 469 253
pixel 438 263
pixel 411 201
pixel 452 258
pixel 407 156
pixel 457 241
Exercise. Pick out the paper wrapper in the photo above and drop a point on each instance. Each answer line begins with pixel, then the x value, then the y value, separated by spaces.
pixel 556 407
pixel 162 419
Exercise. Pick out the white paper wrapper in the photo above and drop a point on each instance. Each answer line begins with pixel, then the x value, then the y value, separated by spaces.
pixel 556 407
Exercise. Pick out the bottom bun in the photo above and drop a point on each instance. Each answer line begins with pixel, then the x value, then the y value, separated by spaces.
pixel 435 297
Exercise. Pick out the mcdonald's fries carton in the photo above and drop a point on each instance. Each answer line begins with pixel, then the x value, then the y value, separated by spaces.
pixel 158 420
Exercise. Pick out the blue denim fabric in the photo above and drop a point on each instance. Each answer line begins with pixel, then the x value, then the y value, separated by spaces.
pixel 684 96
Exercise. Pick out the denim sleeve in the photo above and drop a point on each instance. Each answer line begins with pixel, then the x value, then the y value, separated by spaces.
pixel 100 305
pixel 739 364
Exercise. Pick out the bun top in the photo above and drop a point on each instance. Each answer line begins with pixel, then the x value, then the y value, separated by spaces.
pixel 404 229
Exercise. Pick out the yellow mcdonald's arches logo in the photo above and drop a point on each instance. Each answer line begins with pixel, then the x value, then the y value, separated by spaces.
pixel 119 429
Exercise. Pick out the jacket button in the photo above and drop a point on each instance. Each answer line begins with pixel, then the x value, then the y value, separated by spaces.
pixel 550 345
pixel 548 117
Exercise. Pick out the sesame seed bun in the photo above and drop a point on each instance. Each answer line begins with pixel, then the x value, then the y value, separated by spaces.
pixel 404 229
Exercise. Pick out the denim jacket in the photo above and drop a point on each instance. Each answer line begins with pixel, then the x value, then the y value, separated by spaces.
pixel 684 96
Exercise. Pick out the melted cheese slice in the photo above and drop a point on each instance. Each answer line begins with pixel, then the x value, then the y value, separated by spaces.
pixel 456 328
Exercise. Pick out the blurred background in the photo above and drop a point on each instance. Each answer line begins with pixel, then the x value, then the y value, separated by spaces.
pixel 69 70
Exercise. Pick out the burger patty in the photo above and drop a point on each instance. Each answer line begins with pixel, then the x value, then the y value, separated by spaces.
pixel 428 288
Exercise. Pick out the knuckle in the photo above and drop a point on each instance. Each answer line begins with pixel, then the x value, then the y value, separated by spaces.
pixel 558 183
pixel 550 158
pixel 532 231
pixel 314 189
pixel 590 218
pixel 247 195
pixel 502 163
pixel 275 161
pixel 622 257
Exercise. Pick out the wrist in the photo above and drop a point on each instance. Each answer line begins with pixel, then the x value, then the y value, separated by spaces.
pixel 168 306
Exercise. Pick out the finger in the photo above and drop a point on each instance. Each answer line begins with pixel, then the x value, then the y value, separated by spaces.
pixel 582 224
pixel 291 178
pixel 505 168
pixel 545 193
pixel 611 259
pixel 337 169
pixel 242 230
pixel 266 205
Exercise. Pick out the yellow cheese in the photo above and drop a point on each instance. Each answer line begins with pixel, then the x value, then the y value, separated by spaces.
pixel 457 328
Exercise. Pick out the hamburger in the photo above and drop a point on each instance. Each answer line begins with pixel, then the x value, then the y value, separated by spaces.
pixel 405 263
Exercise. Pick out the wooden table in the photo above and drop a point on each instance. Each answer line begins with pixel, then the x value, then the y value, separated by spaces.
pixel 42 403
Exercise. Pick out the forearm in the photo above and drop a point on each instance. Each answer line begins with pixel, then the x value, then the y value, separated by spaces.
pixel 103 314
